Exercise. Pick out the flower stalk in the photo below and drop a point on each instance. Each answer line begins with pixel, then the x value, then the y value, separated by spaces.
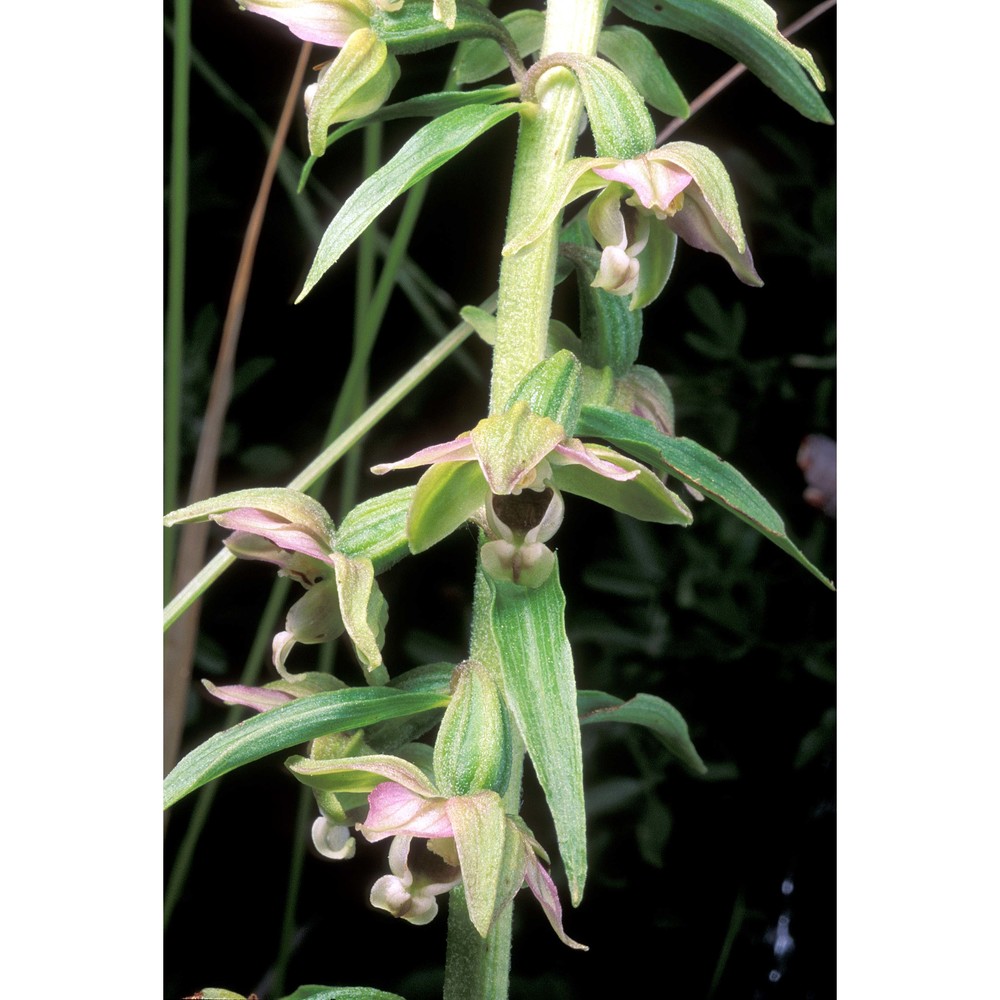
pixel 478 967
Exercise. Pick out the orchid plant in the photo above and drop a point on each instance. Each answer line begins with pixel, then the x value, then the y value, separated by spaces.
pixel 430 757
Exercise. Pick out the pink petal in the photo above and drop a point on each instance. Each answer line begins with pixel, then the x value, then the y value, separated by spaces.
pixel 258 698
pixel 397 811
pixel 459 450
pixel 655 182
pixel 275 529
pixel 576 453
pixel 544 890
pixel 317 21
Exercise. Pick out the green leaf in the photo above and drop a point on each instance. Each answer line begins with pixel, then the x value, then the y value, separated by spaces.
pixel 748 31
pixel 552 389
pixel 434 145
pixel 618 117
pixel 424 106
pixel 635 55
pixel 376 529
pixel 287 726
pixel 610 332
pixel 480 59
pixel 699 467
pixel 413 28
pixel 341 993
pixel 657 715
pixel 536 665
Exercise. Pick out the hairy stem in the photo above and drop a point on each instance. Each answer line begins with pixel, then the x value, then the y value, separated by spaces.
pixel 478 968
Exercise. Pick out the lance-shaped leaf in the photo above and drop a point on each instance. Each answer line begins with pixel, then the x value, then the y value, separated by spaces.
pixel 424 106
pixel 636 56
pixel 748 31
pixel 287 726
pixel 610 332
pixel 698 467
pixel 341 993
pixel 420 25
pixel 536 665
pixel 434 145
pixel 655 714
pixel 552 389
pixel 376 529
pixel 617 113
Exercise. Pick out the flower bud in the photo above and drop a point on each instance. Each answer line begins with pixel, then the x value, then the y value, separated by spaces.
pixel 473 748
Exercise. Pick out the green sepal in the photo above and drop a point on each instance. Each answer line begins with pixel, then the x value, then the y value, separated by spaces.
pixel 636 56
pixel 536 664
pixel 610 332
pixel 287 726
pixel 446 496
pixel 552 389
pixel 359 774
pixel 619 121
pixel 656 261
pixel 433 146
pixel 748 31
pixel 358 81
pixel 511 443
pixel 217 993
pixel 424 106
pixel 655 714
pixel 644 498
pixel 479 828
pixel 473 751
pixel 479 59
pixel 413 28
pixel 376 529
pixel 363 608
pixel 698 467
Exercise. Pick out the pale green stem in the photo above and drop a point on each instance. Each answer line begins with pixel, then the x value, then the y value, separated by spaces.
pixel 478 968
pixel 545 142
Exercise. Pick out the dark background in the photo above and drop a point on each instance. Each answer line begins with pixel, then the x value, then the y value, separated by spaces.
pixel 695 882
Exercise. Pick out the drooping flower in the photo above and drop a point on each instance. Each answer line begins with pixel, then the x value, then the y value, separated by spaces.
pixel 439 841
pixel 295 533
pixel 492 853
pixel 484 473
pixel 681 189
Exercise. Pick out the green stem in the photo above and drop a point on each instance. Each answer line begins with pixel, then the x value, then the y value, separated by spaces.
pixel 546 141
pixel 478 968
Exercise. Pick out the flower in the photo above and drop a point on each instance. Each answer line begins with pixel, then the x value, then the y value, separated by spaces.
pixel 680 189
pixel 475 842
pixel 295 533
pixel 483 474
pixel 325 22
pixel 438 840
